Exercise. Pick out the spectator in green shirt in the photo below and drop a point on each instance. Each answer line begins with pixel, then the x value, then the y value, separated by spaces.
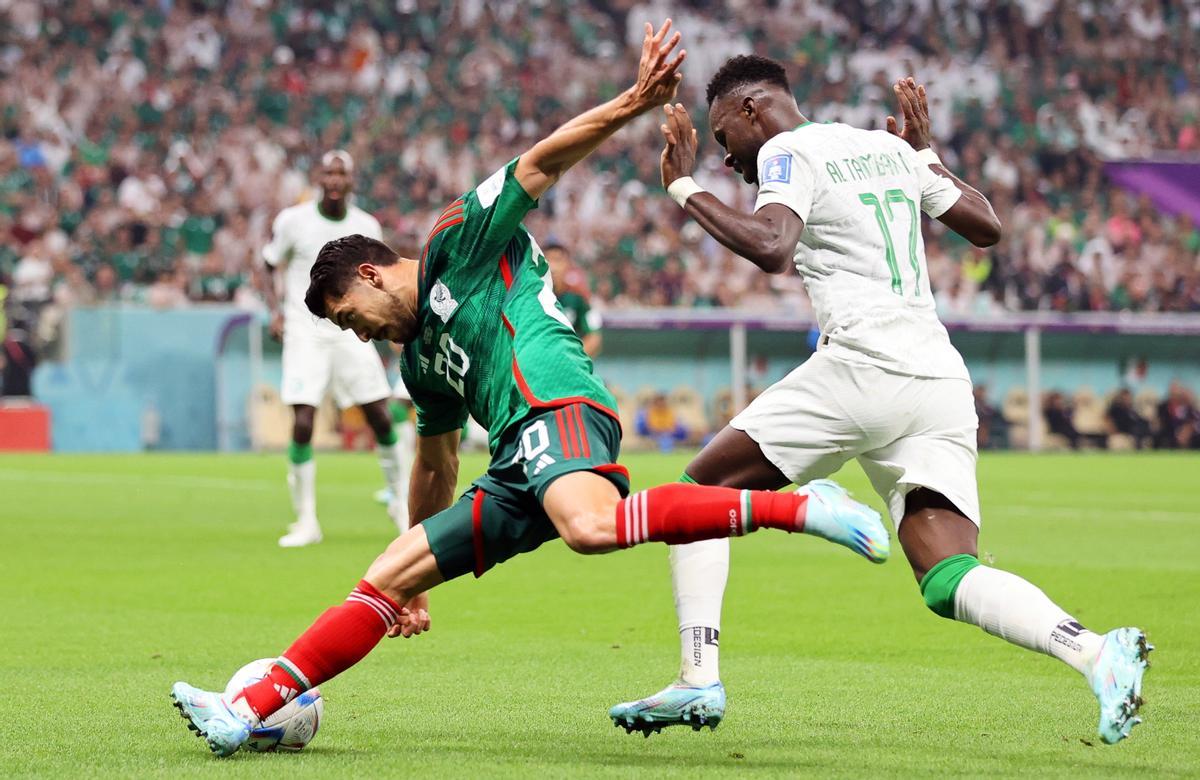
pixel 570 288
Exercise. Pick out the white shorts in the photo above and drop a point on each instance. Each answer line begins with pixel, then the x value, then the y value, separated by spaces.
pixel 316 362
pixel 906 432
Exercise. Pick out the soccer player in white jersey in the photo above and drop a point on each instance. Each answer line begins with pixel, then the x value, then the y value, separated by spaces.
pixel 402 412
pixel 885 386
pixel 317 355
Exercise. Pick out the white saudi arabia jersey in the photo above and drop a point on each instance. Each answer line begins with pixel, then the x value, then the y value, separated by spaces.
pixel 297 236
pixel 861 255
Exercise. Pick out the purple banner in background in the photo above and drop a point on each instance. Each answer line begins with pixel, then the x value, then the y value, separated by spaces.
pixel 1173 186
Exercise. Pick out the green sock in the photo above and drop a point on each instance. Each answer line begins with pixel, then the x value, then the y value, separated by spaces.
pixel 300 453
pixel 388 439
pixel 939 583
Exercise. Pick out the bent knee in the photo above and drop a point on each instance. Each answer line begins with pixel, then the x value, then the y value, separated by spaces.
pixel 380 421
pixel 940 584
pixel 302 431
pixel 587 533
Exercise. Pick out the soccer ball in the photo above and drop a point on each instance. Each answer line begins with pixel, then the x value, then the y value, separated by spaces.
pixel 293 726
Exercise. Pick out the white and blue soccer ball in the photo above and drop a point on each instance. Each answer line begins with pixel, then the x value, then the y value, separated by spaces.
pixel 293 726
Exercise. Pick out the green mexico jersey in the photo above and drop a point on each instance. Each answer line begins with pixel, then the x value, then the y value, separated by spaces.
pixel 492 339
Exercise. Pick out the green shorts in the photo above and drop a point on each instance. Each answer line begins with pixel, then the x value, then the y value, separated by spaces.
pixel 501 515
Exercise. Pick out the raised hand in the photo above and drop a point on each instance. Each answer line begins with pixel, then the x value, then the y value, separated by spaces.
pixel 915 109
pixel 658 78
pixel 679 155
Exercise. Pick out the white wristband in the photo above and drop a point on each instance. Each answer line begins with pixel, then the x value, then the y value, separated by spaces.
pixel 683 188
pixel 929 157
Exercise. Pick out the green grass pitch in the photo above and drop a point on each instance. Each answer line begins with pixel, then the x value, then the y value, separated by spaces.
pixel 124 574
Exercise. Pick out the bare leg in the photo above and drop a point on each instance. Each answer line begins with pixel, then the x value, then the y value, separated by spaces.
pixel 941 546
pixel 733 459
pixel 933 530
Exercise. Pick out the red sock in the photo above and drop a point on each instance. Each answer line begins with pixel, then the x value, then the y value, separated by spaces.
pixel 682 513
pixel 339 639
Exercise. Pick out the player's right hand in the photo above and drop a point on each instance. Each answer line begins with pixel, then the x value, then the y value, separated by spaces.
pixel 915 108
pixel 678 157
pixel 658 78
pixel 276 326
pixel 414 618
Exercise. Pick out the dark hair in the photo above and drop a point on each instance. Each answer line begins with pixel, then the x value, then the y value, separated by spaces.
pixel 746 69
pixel 336 265
pixel 551 247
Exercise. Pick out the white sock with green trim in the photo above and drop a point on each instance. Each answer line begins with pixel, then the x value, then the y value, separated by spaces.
pixel 395 471
pixel 1017 611
pixel 302 482
pixel 699 572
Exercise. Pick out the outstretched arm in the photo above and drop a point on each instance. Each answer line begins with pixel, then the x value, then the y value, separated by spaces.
pixel 658 77
pixel 972 216
pixel 766 238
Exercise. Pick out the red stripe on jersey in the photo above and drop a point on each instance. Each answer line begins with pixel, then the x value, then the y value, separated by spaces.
pixel 562 434
pixel 435 231
pixel 612 467
pixel 554 403
pixel 506 272
pixel 566 412
pixel 477 531
pixel 456 204
pixel 578 412
pixel 447 215
pixel 443 226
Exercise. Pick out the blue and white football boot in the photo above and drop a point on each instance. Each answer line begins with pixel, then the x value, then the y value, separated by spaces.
pixel 210 717
pixel 675 705
pixel 1116 680
pixel 832 514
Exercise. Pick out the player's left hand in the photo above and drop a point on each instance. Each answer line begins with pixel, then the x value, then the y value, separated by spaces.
pixel 658 78
pixel 414 618
pixel 679 155
pixel 915 108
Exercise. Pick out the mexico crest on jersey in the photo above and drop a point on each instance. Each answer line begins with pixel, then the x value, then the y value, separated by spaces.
pixel 777 168
pixel 441 301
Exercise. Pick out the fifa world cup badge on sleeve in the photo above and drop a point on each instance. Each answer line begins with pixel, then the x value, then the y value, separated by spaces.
pixel 777 169
pixel 442 301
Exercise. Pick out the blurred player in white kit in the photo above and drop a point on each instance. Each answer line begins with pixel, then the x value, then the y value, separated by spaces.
pixel 318 356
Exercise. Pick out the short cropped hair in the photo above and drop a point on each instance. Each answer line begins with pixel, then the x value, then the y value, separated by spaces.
pixel 337 264
pixel 338 154
pixel 746 69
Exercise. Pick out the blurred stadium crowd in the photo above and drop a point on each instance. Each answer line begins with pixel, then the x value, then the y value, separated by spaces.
pixel 146 146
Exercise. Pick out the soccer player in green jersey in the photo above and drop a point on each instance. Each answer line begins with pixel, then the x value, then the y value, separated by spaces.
pixel 484 335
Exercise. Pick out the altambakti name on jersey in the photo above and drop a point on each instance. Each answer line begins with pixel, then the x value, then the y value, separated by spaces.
pixel 492 340
pixel 861 255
